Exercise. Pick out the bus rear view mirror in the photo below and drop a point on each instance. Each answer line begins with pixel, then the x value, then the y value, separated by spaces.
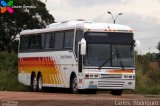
pixel 83 47
pixel 138 47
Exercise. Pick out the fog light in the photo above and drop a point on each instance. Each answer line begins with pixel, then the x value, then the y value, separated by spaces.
pixel 125 76
pixel 134 76
pixel 130 76
pixel 96 76
pixel 87 76
pixel 91 76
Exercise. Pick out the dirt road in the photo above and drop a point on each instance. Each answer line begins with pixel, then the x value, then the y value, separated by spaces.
pixel 62 99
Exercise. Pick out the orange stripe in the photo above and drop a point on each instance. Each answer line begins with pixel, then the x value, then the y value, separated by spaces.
pixel 58 74
pixel 47 65
pixel 120 71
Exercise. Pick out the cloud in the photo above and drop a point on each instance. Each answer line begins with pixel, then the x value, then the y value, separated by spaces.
pixel 142 15
pixel 81 3
pixel 146 28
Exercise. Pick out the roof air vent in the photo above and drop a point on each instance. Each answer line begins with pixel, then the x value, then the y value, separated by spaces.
pixel 80 20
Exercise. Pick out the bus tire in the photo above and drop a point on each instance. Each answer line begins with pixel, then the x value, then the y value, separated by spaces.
pixel 117 92
pixel 74 85
pixel 34 83
pixel 92 91
pixel 89 91
pixel 40 83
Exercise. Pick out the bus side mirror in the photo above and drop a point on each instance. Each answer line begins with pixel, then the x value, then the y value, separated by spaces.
pixel 138 47
pixel 83 47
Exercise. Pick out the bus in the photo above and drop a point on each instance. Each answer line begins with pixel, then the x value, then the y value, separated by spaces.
pixel 79 55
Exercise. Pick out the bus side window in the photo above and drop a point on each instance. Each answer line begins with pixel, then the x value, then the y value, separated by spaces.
pixel 43 40
pixel 48 36
pixel 32 40
pixel 59 36
pixel 68 42
pixel 79 35
pixel 38 44
pixel 24 41
pixel 51 41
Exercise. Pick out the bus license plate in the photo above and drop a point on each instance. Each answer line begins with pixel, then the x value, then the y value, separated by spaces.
pixel 92 86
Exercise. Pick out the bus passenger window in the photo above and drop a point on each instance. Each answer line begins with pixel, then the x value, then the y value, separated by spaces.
pixel 32 40
pixel 51 41
pixel 38 44
pixel 24 42
pixel 48 35
pixel 43 40
pixel 59 36
pixel 68 42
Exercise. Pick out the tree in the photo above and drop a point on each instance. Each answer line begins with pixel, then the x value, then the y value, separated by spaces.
pixel 158 55
pixel 22 18
pixel 158 47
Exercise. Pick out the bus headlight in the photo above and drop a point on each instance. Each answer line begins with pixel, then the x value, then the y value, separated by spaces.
pixel 86 76
pixel 96 76
pixel 126 76
pixel 92 76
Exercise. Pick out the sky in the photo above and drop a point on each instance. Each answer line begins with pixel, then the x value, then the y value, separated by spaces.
pixel 143 16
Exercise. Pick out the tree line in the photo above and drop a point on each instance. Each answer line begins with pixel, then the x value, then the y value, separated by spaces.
pixel 22 18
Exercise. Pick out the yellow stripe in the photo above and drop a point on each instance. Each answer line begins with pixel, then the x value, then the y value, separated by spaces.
pixel 57 78
pixel 57 72
pixel 59 75
pixel 53 79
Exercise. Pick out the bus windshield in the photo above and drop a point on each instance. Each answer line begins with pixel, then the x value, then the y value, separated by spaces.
pixel 109 50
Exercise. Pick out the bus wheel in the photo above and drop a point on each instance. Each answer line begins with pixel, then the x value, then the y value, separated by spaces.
pixel 34 83
pixel 117 92
pixel 74 85
pixel 92 91
pixel 89 91
pixel 40 83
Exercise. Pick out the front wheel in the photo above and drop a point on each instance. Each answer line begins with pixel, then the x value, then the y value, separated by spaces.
pixel 74 85
pixel 117 92
pixel 89 91
pixel 40 83
pixel 34 83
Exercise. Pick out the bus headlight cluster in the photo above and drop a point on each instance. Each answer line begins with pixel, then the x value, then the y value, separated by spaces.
pixel 129 76
pixel 92 76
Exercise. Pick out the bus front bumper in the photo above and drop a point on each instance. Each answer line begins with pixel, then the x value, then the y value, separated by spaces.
pixel 107 84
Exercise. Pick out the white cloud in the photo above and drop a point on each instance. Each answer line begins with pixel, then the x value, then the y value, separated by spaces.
pixel 86 3
pixel 142 15
pixel 146 29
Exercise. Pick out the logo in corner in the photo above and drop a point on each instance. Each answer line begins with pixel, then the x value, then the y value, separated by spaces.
pixel 6 6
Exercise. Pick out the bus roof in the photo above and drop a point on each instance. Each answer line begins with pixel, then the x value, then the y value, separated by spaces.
pixel 86 25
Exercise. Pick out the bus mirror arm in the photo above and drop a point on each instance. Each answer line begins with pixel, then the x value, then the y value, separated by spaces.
pixel 138 47
pixel 83 47
pixel 134 43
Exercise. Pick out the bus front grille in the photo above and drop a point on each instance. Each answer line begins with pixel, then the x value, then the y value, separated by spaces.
pixel 111 75
pixel 110 84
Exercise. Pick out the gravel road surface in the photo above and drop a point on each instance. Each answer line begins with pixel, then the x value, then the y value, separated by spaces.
pixel 63 99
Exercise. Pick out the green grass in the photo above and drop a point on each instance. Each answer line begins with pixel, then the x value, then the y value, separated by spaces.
pixel 147 81
pixel 8 73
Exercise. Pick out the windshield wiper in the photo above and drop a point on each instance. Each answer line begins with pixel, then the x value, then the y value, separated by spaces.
pixel 105 62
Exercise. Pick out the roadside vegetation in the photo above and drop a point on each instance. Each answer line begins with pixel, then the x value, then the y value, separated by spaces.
pixel 148 74
pixel 9 73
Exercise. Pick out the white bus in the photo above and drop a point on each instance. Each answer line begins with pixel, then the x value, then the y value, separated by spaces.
pixel 79 55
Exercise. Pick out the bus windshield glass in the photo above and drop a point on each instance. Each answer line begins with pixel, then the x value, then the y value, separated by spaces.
pixel 109 49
